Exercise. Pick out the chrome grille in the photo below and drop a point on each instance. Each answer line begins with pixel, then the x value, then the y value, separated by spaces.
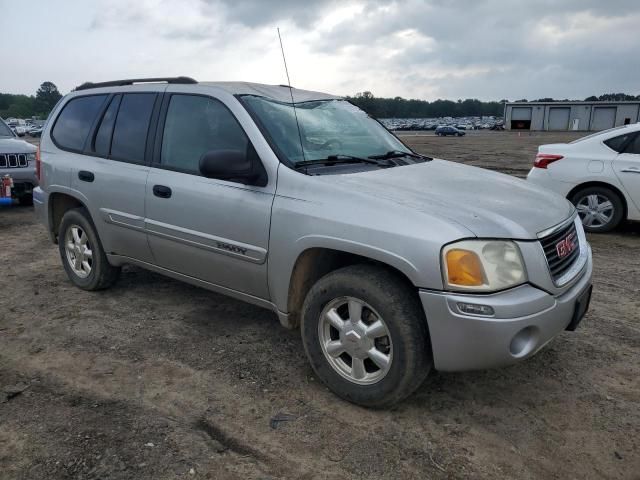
pixel 13 160
pixel 558 265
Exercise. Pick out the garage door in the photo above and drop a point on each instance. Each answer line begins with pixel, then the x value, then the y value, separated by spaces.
pixel 521 118
pixel 559 118
pixel 521 113
pixel 603 118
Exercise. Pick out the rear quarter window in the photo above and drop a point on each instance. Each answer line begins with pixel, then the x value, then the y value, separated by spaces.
pixel 618 143
pixel 634 146
pixel 74 122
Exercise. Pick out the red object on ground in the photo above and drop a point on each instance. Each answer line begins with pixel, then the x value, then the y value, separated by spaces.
pixel 5 189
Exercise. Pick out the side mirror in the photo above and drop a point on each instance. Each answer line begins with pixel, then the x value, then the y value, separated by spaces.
pixel 233 165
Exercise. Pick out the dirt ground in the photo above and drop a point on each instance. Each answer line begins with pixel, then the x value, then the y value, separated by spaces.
pixel 155 379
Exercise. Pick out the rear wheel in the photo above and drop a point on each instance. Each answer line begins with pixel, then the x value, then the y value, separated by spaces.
pixel 82 254
pixel 600 208
pixel 365 335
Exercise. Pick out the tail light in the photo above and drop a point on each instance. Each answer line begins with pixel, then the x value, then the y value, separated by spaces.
pixel 544 159
pixel 38 163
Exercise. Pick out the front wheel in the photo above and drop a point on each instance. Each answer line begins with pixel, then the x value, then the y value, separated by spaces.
pixel 600 208
pixel 365 335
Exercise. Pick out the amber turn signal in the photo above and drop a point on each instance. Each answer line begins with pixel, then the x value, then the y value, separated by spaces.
pixel 464 268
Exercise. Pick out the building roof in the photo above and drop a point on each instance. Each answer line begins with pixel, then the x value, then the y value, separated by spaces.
pixel 577 102
pixel 280 93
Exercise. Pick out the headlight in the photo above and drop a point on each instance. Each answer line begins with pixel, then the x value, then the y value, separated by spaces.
pixel 31 157
pixel 482 265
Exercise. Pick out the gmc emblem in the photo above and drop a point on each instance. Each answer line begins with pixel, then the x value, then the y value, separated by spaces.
pixel 567 245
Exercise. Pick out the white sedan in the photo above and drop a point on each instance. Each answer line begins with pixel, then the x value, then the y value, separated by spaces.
pixel 599 173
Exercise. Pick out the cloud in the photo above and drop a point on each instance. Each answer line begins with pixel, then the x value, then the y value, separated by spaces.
pixel 486 49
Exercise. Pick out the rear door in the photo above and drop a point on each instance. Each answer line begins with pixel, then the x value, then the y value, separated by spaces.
pixel 213 230
pixel 627 168
pixel 114 172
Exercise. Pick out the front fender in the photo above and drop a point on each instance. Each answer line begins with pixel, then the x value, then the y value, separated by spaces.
pixel 280 272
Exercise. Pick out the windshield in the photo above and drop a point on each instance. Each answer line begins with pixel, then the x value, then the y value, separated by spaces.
pixel 5 131
pixel 327 128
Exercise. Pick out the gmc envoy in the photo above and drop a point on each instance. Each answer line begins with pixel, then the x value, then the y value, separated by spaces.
pixel 391 263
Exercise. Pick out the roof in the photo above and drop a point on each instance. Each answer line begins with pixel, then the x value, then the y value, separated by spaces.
pixel 279 93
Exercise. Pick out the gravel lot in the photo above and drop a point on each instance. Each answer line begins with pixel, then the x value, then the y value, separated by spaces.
pixel 156 379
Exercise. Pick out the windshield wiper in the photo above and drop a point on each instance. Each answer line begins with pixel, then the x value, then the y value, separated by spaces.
pixel 338 159
pixel 397 154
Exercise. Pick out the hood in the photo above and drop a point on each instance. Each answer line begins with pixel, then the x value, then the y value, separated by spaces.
pixel 487 203
pixel 14 145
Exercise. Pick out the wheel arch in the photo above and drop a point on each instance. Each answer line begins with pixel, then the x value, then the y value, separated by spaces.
pixel 613 188
pixel 314 263
pixel 58 204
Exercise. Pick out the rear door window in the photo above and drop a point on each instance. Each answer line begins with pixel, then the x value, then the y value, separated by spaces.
pixel 74 122
pixel 132 126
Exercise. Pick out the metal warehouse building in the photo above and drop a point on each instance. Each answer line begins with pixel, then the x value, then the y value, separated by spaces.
pixel 569 115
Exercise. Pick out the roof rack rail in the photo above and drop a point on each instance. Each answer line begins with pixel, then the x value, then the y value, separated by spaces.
pixel 131 81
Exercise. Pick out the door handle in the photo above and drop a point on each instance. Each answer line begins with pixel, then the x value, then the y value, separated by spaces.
pixel 631 170
pixel 86 176
pixel 161 191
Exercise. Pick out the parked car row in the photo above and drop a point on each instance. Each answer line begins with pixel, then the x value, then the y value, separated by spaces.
pixel 25 127
pixel 465 123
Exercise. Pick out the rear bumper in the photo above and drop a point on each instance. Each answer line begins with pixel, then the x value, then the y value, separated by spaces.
pixel 40 207
pixel 526 319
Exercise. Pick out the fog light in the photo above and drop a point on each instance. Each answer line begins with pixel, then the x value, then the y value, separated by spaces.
pixel 524 342
pixel 473 309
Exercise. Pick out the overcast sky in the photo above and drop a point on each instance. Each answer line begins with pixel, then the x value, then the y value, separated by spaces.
pixel 486 49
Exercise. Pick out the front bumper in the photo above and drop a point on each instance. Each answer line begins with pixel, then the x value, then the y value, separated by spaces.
pixel 22 174
pixel 525 320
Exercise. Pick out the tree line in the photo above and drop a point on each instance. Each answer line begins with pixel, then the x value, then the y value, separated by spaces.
pixel 46 97
pixel 399 107
pixel 27 106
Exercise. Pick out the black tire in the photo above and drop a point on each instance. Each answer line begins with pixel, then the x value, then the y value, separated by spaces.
pixel 398 305
pixel 581 197
pixel 26 200
pixel 102 274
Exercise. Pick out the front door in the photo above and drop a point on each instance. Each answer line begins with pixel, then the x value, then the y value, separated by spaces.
pixel 212 230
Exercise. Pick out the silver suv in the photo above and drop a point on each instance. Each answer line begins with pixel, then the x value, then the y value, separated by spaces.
pixel 391 263
pixel 17 160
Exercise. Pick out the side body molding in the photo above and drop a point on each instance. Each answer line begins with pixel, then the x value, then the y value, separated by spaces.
pixel 205 241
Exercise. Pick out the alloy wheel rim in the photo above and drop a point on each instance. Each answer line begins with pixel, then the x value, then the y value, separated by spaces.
pixel 355 340
pixel 78 250
pixel 595 210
